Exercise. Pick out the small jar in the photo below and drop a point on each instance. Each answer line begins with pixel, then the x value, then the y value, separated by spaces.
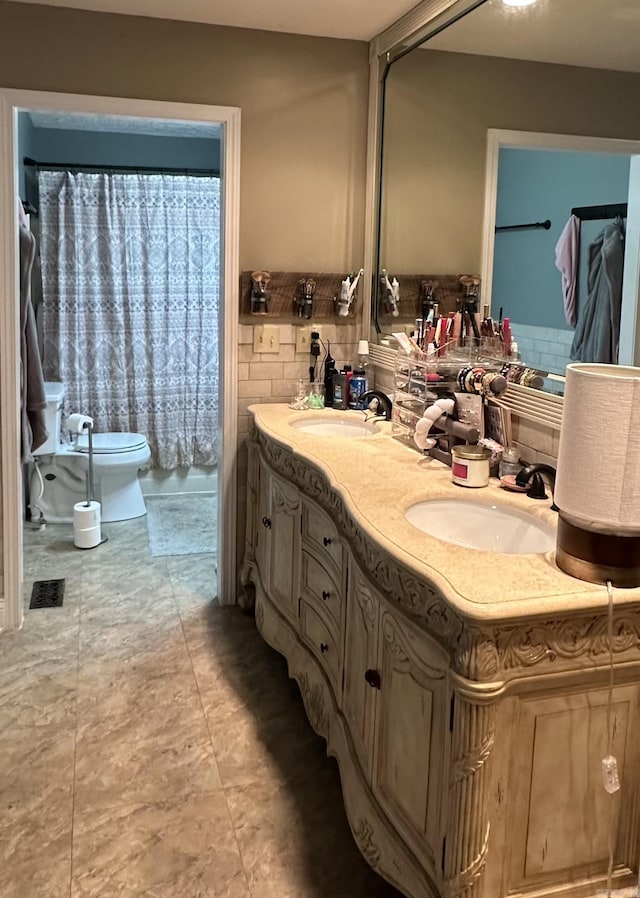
pixel 510 462
pixel 316 395
pixel 470 465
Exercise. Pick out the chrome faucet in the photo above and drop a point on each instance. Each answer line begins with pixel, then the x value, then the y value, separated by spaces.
pixel 383 401
pixel 531 476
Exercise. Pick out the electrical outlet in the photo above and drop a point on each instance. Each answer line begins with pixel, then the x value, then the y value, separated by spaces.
pixel 303 337
pixel 266 338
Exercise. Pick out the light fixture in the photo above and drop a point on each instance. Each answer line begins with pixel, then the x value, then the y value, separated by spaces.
pixel 519 2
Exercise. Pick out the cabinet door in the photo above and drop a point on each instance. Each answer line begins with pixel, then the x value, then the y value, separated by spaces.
pixel 560 815
pixel 361 678
pixel 411 723
pixel 284 547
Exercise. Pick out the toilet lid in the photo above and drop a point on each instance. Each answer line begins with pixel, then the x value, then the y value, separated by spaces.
pixel 104 443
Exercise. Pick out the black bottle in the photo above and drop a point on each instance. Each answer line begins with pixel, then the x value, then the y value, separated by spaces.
pixel 329 371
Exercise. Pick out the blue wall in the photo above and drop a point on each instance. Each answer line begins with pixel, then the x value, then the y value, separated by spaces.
pixel 110 148
pixel 534 185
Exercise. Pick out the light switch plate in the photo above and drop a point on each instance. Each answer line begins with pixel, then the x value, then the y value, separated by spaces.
pixel 266 338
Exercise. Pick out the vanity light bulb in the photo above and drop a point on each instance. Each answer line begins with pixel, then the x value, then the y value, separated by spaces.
pixel 519 2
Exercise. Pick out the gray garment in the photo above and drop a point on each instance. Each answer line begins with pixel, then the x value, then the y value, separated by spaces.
pixel 32 393
pixel 597 334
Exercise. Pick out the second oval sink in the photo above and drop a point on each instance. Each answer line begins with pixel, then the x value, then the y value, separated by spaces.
pixel 489 528
pixel 335 426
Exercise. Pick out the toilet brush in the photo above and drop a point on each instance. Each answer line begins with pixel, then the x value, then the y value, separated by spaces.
pixel 86 515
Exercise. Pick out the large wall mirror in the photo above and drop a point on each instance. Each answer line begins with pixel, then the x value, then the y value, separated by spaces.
pixel 493 132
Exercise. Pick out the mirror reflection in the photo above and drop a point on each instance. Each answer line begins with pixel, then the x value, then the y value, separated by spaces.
pixel 516 117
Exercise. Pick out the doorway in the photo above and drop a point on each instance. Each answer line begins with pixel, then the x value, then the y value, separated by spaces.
pixel 181 116
pixel 538 155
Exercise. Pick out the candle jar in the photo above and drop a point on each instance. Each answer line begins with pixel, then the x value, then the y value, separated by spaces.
pixel 470 465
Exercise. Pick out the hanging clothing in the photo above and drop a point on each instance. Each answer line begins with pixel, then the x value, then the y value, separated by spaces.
pixel 567 262
pixel 33 398
pixel 130 270
pixel 597 335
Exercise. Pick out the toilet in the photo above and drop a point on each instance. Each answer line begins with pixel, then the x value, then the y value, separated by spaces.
pixel 117 458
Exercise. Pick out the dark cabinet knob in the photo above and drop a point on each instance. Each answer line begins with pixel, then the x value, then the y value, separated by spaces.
pixel 267 523
pixel 324 647
pixel 325 594
pixel 327 541
pixel 373 678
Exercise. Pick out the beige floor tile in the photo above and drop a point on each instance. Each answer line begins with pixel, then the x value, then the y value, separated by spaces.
pixel 36 774
pixel 295 841
pixel 139 648
pixel 35 854
pixel 181 848
pixel 142 752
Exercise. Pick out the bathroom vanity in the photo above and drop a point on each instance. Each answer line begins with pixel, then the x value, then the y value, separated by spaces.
pixel 463 693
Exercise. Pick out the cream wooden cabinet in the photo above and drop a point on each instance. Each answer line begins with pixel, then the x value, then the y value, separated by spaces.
pixel 469 753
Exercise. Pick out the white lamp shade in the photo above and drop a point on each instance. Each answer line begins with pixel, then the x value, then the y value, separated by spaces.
pixel 598 476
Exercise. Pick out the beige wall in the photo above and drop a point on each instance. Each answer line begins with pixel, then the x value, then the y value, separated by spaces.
pixel 303 100
pixel 439 108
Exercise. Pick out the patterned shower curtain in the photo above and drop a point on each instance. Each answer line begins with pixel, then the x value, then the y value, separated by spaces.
pixel 130 266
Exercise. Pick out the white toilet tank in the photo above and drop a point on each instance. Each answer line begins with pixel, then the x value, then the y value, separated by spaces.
pixel 54 393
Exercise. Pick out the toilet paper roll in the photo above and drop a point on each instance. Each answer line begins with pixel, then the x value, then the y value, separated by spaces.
pixel 86 525
pixel 77 423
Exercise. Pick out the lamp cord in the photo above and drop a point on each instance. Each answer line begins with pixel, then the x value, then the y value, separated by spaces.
pixel 612 823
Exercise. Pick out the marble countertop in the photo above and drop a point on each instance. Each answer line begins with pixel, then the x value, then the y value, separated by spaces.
pixel 378 478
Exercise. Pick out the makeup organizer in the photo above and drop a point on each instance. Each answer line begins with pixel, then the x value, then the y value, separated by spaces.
pixel 422 379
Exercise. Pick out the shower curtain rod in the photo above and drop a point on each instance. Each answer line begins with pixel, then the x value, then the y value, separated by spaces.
pixel 123 169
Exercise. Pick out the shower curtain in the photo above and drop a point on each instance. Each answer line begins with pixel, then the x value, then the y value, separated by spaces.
pixel 130 266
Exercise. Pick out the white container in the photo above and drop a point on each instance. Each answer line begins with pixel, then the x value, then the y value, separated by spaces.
pixel 470 465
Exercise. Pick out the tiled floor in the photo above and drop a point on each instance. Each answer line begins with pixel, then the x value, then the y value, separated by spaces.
pixel 152 745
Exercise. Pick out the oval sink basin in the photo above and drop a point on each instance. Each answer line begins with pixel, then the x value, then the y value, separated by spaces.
pixel 338 426
pixel 490 528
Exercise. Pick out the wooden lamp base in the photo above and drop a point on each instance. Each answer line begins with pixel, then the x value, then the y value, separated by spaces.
pixel 598 557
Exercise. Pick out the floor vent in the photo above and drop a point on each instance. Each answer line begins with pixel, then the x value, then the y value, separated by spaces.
pixel 47 594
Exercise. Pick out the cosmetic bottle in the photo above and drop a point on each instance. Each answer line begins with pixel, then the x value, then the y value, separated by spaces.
pixel 348 372
pixel 357 387
pixel 363 357
pixel 339 390
pixel 506 335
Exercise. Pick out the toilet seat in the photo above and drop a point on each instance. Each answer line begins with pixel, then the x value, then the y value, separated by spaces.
pixel 111 443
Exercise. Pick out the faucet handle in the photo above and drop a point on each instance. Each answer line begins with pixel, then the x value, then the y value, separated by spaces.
pixel 537 490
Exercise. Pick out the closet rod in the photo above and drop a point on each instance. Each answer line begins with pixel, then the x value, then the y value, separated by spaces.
pixel 122 169
pixel 598 213
pixel 534 224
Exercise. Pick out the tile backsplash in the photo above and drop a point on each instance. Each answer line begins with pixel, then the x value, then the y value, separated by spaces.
pixel 273 377
pixel 545 348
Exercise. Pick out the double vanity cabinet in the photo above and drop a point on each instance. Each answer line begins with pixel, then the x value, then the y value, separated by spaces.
pixel 464 694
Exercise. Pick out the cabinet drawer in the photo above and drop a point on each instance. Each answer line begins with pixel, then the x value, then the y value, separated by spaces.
pixel 318 586
pixel 322 642
pixel 321 535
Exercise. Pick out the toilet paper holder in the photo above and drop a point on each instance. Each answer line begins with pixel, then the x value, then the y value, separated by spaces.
pixel 91 537
pixel 77 424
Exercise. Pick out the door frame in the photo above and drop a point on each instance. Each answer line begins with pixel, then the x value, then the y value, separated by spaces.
pixel 498 139
pixel 12 102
